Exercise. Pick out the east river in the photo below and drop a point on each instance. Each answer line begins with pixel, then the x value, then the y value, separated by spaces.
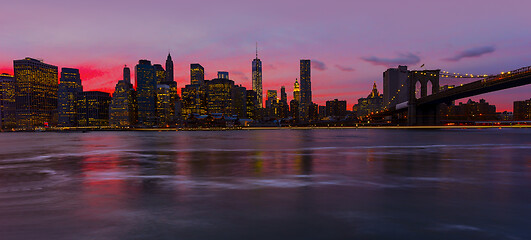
pixel 267 184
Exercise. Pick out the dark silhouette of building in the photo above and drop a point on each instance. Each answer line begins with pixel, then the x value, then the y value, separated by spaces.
pixel 283 107
pixel 93 108
pixel 194 96
pixel 7 102
pixel 257 79
pixel 127 74
pixel 522 110
pixel 471 111
pixel 395 79
pixel 305 90
pixel 371 104
pixel 69 87
pixel 336 108
pixel 36 85
pixel 239 102
pixel 294 109
pixel 146 85
pixel 169 69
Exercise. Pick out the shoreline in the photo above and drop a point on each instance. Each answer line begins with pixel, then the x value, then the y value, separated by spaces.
pixel 89 129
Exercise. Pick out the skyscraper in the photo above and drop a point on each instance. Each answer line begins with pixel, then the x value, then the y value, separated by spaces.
pixel 257 79
pixel 127 74
pixel 123 108
pixel 7 101
pixel 169 69
pixel 160 74
pixel 305 90
pixel 283 107
pixel 395 79
pixel 69 87
pixel 93 108
pixel 146 85
pixel 197 74
pixel 296 91
pixel 36 85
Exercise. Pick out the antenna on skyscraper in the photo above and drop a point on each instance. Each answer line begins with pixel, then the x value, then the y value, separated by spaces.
pixel 256 50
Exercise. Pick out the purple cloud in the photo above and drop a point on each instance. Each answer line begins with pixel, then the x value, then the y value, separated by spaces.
pixel 471 53
pixel 318 65
pixel 344 69
pixel 402 59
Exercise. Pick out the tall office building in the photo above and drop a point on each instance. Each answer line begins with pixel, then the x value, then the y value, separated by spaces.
pixel 197 74
pixel 123 107
pixel 305 90
pixel 522 110
pixel 165 109
pixel 395 79
pixel 127 74
pixel 169 69
pixel 69 87
pixel 283 107
pixel 36 85
pixel 219 96
pixel 334 108
pixel 239 102
pixel 257 79
pixel 93 108
pixel 160 74
pixel 272 104
pixel 296 91
pixel 251 104
pixel 146 85
pixel 7 101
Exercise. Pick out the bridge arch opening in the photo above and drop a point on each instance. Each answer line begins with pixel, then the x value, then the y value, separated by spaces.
pixel 429 88
pixel 418 90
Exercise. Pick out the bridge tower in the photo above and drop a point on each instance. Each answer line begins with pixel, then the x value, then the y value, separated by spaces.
pixel 421 84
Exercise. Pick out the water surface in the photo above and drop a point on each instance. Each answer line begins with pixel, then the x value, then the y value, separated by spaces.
pixel 270 184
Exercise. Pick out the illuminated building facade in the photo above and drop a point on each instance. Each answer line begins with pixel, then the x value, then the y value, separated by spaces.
pixel 193 100
pixel 272 104
pixel 522 110
pixel 257 80
pixel 251 104
pixel 305 91
pixel 123 107
pixel 165 109
pixel 197 74
pixel 160 74
pixel 335 108
pixel 36 85
pixel 371 104
pixel 7 102
pixel 69 87
pixel 194 96
pixel 296 91
pixel 146 85
pixel 93 108
pixel 219 96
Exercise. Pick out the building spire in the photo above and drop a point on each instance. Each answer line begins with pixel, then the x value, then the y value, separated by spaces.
pixel 256 50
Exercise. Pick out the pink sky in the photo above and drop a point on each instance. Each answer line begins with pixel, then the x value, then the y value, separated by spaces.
pixel 354 41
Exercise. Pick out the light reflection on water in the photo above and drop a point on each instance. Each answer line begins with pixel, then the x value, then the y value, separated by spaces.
pixel 275 184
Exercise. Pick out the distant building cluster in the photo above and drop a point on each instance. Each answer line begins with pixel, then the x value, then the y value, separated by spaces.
pixel 34 98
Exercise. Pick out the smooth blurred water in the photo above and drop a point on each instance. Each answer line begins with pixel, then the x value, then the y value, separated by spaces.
pixel 270 184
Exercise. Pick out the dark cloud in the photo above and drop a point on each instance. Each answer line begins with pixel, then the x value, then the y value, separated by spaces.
pixel 318 65
pixel 344 69
pixel 472 52
pixel 402 59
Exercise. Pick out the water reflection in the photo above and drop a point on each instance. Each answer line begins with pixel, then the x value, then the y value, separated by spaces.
pixel 316 184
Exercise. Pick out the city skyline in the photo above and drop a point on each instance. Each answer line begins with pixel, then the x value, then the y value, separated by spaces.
pixel 349 52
